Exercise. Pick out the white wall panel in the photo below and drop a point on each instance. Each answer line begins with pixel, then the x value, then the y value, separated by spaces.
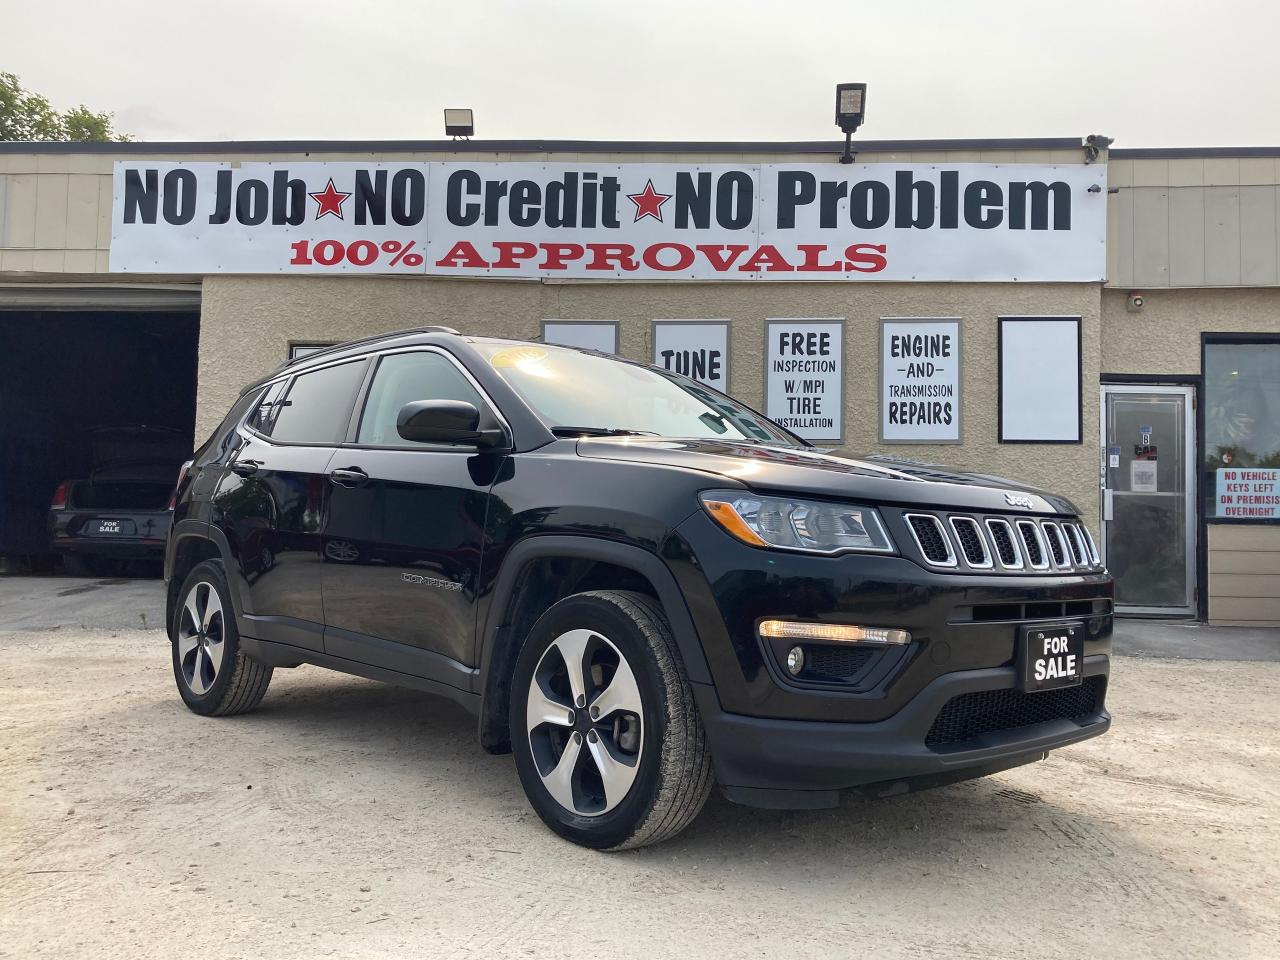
pixel 20 211
pixel 1186 237
pixel 51 212
pixel 1151 236
pixel 1123 234
pixel 1259 264
pixel 1222 236
pixel 82 212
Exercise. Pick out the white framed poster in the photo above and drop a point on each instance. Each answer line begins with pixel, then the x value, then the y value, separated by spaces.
pixel 599 335
pixel 1039 390
pixel 919 380
pixel 804 373
pixel 698 349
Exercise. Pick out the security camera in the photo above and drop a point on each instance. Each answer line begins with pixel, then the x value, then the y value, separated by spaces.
pixel 1135 302
pixel 1094 144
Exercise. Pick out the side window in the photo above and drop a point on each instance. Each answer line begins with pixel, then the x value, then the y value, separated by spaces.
pixel 318 405
pixel 264 413
pixel 403 378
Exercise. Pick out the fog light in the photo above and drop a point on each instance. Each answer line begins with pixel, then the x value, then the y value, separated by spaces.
pixel 795 661
pixel 831 632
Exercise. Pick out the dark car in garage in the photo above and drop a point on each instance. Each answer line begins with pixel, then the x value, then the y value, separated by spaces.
pixel 120 513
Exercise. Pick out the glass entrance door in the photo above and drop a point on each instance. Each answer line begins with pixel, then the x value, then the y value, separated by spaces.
pixel 1148 497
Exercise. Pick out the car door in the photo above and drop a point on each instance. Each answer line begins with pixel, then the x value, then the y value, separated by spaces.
pixel 272 499
pixel 405 530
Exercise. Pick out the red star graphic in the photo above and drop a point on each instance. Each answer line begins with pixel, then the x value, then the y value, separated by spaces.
pixel 648 202
pixel 329 201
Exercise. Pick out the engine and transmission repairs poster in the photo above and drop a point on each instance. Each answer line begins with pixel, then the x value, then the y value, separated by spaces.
pixel 920 381
pixel 804 371
pixel 875 221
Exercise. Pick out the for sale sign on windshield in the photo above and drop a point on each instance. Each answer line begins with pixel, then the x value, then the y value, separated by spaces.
pixel 644 221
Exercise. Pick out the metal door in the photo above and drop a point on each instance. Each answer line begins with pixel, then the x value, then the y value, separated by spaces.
pixel 1148 497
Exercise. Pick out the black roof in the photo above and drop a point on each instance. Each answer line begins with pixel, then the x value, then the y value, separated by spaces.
pixel 247 147
pixel 141 147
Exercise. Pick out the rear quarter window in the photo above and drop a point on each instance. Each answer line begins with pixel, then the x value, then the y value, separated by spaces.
pixel 263 413
pixel 318 405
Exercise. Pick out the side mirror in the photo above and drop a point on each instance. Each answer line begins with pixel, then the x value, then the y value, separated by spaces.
pixel 446 421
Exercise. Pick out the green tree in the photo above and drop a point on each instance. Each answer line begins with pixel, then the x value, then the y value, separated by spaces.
pixel 29 116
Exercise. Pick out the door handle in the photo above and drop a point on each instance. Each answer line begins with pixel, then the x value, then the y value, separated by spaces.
pixel 348 477
pixel 245 468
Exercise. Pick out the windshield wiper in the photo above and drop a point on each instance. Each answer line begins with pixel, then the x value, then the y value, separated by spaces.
pixel 601 432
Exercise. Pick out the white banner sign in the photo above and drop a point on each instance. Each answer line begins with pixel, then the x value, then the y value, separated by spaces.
pixel 804 370
pixel 920 381
pixel 699 350
pixel 877 221
pixel 1246 493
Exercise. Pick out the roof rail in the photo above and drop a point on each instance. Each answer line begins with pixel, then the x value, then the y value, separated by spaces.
pixel 432 328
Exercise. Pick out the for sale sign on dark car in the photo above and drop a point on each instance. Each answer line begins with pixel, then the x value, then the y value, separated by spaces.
pixel 1052 656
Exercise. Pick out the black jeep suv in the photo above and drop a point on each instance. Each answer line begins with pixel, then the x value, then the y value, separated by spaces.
pixel 639 585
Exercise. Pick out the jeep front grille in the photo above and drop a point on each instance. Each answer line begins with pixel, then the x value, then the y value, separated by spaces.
pixel 1032 544
pixel 931 538
pixel 1002 536
pixel 1002 543
pixel 1057 548
pixel 972 545
pixel 1079 552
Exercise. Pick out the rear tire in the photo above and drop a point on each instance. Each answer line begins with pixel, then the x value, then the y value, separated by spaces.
pixel 74 565
pixel 638 772
pixel 214 676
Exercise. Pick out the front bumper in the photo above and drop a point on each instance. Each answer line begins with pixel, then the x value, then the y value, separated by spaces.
pixel 958 622
pixel 792 764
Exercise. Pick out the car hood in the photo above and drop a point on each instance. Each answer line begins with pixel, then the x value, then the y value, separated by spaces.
pixel 818 472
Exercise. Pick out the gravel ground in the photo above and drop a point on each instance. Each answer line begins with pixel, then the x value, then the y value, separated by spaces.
pixel 351 819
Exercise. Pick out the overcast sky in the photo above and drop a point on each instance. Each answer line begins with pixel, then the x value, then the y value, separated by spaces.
pixel 1147 72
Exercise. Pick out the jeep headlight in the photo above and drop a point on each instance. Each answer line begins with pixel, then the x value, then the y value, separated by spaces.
pixel 811 525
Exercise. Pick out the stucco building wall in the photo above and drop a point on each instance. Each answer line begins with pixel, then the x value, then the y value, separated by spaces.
pixel 1164 336
pixel 248 322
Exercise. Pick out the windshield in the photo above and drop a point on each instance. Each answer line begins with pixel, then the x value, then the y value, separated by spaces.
pixel 600 394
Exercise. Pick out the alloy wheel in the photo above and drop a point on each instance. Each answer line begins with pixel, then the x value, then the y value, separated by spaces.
pixel 201 637
pixel 583 694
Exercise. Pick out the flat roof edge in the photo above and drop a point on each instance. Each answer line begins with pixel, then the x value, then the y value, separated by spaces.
pixel 1191 153
pixel 834 147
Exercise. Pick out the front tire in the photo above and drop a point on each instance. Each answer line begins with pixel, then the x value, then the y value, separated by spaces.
pixel 214 676
pixel 607 738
